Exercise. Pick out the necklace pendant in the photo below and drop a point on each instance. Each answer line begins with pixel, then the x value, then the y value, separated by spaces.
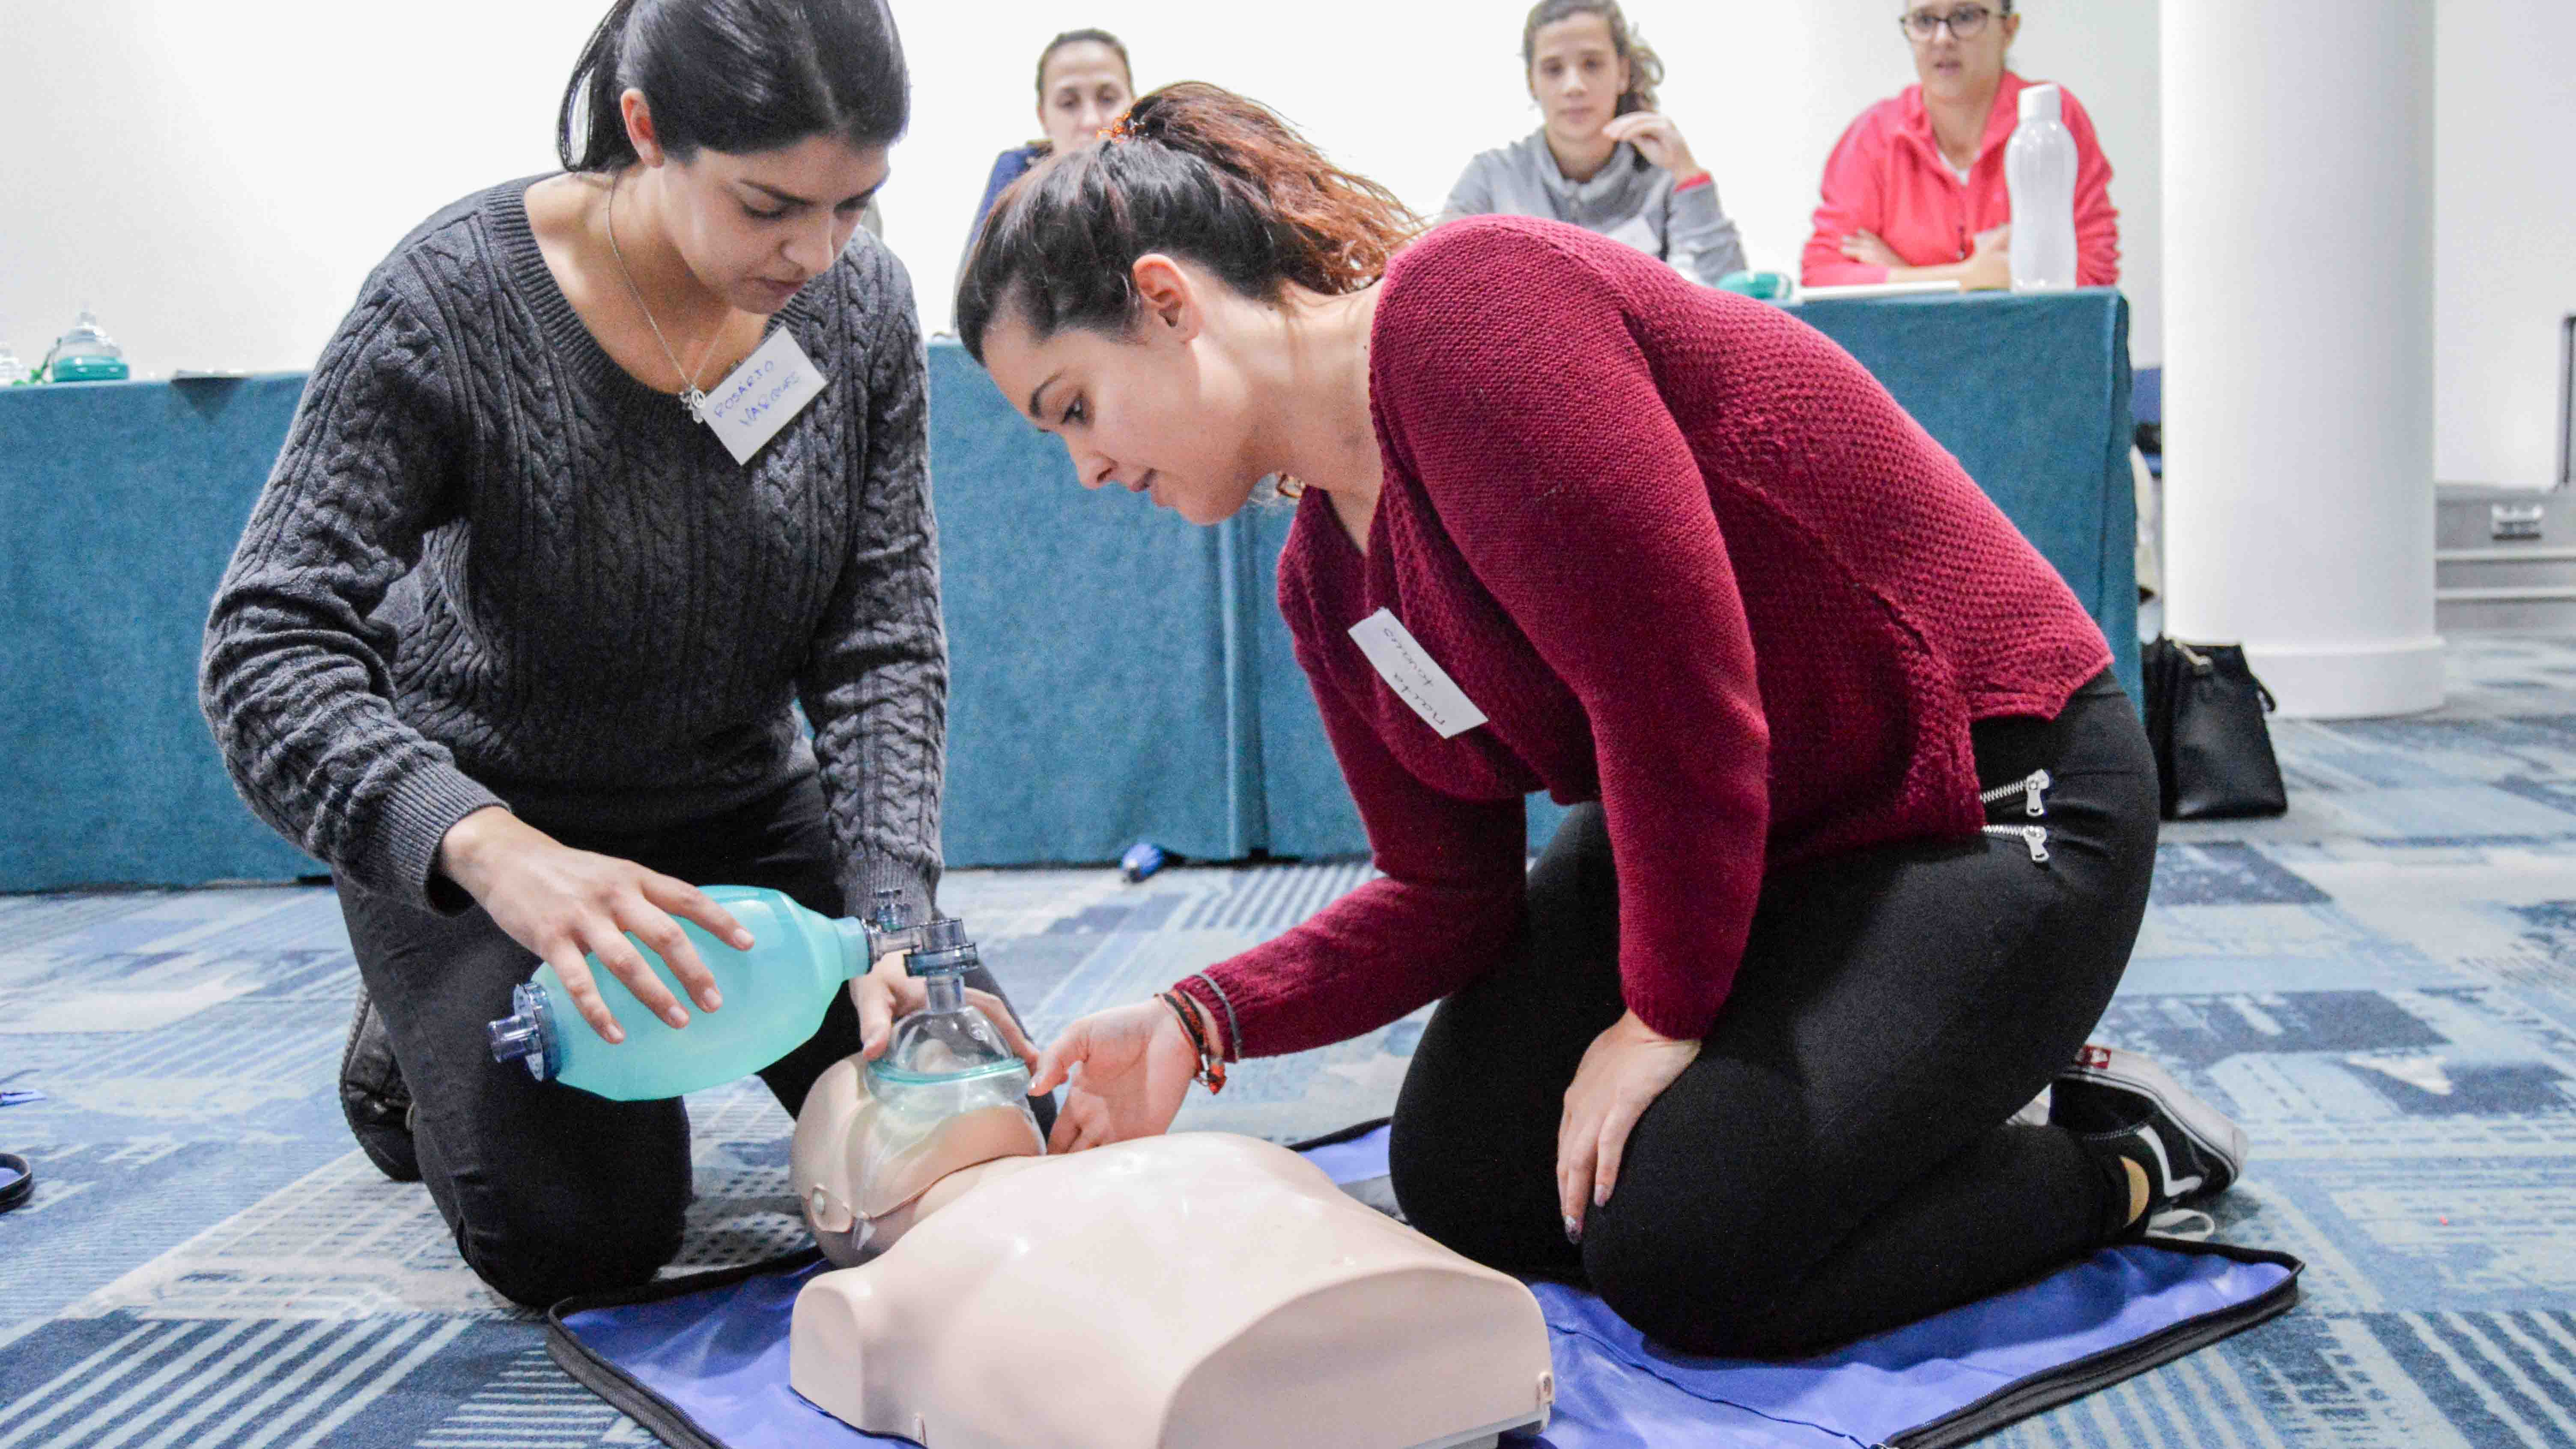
pixel 694 403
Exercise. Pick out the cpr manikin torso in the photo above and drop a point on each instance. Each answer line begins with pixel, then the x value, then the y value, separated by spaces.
pixel 1198 1291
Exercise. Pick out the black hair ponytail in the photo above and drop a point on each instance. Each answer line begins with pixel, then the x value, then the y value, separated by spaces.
pixel 735 76
pixel 590 101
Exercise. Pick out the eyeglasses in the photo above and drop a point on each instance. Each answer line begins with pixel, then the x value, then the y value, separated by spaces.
pixel 1964 22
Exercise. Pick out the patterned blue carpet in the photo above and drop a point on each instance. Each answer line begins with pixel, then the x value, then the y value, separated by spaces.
pixel 2381 987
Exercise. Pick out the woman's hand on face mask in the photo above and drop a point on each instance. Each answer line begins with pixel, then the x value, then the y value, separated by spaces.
pixel 888 991
pixel 1624 1070
pixel 1125 1072
pixel 562 903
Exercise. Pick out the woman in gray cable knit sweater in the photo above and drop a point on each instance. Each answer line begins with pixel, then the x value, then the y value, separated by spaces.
pixel 514 644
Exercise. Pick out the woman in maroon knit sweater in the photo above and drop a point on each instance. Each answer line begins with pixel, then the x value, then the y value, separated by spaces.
pixel 1867 825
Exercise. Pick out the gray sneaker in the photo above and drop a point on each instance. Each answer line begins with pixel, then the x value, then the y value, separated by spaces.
pixel 374 1097
pixel 2121 1101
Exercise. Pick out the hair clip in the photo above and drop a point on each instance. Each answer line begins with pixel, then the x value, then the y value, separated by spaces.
pixel 1122 129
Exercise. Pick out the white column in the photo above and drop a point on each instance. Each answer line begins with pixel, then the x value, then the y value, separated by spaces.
pixel 2298 238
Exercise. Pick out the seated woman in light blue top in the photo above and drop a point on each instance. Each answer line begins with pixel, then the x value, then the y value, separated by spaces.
pixel 1603 159
pixel 1084 82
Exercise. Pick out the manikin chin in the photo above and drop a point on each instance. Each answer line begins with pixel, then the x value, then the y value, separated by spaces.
pixel 1194 1291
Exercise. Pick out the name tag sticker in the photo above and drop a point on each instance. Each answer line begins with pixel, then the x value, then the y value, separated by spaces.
pixel 1417 681
pixel 755 400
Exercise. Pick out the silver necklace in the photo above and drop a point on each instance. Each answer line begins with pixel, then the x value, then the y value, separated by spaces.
pixel 691 399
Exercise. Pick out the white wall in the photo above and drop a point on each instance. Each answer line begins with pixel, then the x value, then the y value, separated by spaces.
pixel 217 179
pixel 2504 236
pixel 1761 89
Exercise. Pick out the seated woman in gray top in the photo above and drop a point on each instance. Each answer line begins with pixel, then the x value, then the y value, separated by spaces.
pixel 515 644
pixel 1604 159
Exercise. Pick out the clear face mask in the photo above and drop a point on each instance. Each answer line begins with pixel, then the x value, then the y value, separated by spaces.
pixel 947 1094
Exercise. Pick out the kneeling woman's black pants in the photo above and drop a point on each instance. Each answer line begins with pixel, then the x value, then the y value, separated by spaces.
pixel 1835 1162
pixel 550 1190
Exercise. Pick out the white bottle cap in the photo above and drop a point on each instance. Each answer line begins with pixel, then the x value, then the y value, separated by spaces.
pixel 2040 101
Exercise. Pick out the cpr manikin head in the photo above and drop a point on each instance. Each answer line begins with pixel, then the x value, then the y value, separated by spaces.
pixel 988 1296
pixel 871 1143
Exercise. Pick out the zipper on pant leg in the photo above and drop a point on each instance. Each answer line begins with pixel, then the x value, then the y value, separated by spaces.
pixel 2029 788
pixel 2034 836
pixel 2032 788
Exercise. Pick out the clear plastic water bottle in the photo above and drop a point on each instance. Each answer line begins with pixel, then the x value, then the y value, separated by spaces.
pixel 2039 167
pixel 775 995
pixel 12 371
pixel 85 354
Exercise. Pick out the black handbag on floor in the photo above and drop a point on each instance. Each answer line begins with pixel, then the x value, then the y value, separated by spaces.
pixel 2205 713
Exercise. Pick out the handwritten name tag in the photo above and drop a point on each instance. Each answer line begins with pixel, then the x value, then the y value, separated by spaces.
pixel 1417 681
pixel 755 400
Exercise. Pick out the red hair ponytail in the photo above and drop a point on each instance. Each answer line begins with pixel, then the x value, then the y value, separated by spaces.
pixel 1192 171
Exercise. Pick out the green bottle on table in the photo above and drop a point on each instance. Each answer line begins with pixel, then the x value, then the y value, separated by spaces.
pixel 84 354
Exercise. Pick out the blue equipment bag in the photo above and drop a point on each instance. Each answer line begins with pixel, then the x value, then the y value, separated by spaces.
pixel 702 1361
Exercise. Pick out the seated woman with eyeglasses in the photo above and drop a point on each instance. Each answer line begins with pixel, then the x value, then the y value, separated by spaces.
pixel 1915 190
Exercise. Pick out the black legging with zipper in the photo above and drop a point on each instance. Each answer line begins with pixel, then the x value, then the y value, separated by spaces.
pixel 1834 1163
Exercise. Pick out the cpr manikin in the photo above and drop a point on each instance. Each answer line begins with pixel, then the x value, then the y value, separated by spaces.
pixel 1197 1291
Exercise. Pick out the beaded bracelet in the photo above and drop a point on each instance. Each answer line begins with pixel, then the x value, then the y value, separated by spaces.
pixel 1233 1029
pixel 1211 1072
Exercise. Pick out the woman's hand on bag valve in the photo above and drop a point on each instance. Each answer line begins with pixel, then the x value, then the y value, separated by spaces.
pixel 562 903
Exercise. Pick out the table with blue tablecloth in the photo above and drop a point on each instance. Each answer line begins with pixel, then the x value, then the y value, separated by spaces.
pixel 121 504
pixel 1116 673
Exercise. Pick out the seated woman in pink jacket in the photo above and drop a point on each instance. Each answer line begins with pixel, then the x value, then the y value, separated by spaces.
pixel 1915 189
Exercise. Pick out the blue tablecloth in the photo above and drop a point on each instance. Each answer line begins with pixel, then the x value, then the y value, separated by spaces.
pixel 122 503
pixel 2031 394
pixel 1116 673
pixel 1088 645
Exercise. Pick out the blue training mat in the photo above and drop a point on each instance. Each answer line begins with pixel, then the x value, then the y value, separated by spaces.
pixel 702 1361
